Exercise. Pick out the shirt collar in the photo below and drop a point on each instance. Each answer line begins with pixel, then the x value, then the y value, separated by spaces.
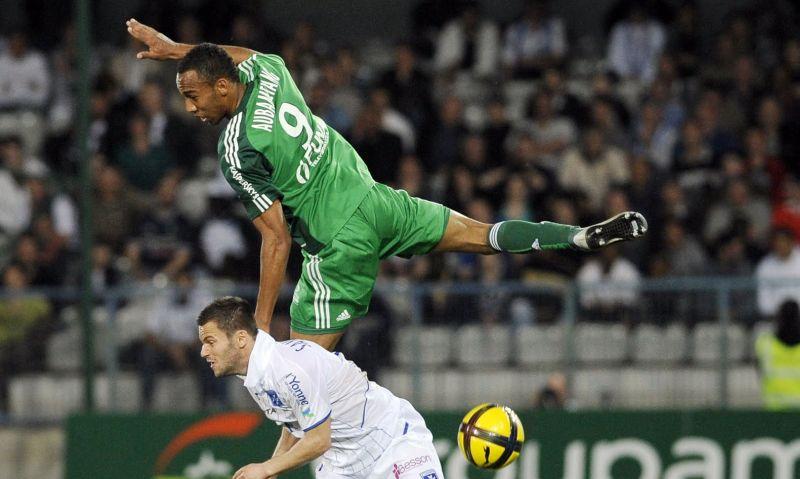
pixel 259 359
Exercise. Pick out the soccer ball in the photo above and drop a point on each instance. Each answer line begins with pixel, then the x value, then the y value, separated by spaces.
pixel 491 436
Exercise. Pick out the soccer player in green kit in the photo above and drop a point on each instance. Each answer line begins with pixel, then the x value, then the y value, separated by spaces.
pixel 301 180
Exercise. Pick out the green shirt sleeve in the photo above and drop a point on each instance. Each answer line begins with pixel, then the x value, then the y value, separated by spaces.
pixel 250 68
pixel 250 175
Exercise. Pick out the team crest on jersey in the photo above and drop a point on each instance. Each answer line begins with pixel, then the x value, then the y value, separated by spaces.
pixel 429 474
pixel 274 399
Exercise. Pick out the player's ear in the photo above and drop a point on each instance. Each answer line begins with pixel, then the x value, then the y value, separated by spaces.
pixel 241 338
pixel 222 86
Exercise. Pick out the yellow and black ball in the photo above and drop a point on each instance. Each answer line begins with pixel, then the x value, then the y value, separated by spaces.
pixel 491 436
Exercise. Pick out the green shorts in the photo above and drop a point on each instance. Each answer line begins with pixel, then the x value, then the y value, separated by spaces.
pixel 336 284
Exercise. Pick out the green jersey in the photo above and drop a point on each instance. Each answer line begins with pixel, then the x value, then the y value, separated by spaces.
pixel 274 148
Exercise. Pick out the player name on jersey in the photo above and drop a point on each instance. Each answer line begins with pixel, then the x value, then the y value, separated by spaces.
pixel 264 114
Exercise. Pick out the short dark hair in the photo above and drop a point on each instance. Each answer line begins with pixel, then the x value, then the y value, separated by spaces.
pixel 210 62
pixel 231 313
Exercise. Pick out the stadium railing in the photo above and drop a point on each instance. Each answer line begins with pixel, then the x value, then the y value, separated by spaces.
pixel 655 343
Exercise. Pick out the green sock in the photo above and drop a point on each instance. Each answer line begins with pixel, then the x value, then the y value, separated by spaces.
pixel 523 237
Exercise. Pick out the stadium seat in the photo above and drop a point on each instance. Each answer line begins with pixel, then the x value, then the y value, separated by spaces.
pixel 436 389
pixel 481 347
pixel 705 343
pixel 653 344
pixel 600 343
pixel 176 392
pixel 433 349
pixel 646 388
pixel 46 397
pixel 539 345
pixel 744 388
pixel 64 349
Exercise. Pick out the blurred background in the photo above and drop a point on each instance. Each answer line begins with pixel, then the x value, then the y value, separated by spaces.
pixel 570 111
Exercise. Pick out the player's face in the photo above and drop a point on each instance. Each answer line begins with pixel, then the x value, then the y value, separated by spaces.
pixel 201 98
pixel 218 349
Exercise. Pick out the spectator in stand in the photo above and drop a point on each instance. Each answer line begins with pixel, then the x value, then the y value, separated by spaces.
pixel 685 256
pixel 409 89
pixel 770 120
pixel 516 205
pixel 526 163
pixel 411 178
pixel 380 149
pixel 164 237
pixel 392 120
pixel 15 215
pixel 708 114
pixel 468 43
pixel 117 208
pixel 447 135
pixel 741 97
pixel 535 42
pixel 554 394
pixel 131 72
pixel 143 163
pixel 766 172
pixel 685 40
pixel 319 100
pixel 653 136
pixel 24 76
pixel 609 287
pixel 693 160
pixel 786 212
pixel 497 130
pixel 552 134
pixel 605 117
pixel 171 340
pixel 778 273
pixel 104 274
pixel 165 129
pixel 740 211
pixel 563 102
pixel 22 315
pixel 593 169
pixel 488 174
pixel 636 44
pixel 779 360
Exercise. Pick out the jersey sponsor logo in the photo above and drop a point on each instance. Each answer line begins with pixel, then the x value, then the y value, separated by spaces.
pixel 264 113
pixel 343 316
pixel 294 385
pixel 400 468
pixel 307 413
pixel 274 399
pixel 429 474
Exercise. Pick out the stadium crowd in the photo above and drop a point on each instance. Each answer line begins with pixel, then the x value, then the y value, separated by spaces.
pixel 499 121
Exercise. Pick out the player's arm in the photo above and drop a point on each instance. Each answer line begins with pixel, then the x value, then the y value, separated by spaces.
pixel 286 441
pixel 311 446
pixel 161 47
pixel 276 243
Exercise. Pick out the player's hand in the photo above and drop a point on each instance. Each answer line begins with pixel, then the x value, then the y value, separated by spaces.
pixel 252 471
pixel 160 46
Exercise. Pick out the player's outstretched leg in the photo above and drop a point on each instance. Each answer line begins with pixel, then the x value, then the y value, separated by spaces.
pixel 467 235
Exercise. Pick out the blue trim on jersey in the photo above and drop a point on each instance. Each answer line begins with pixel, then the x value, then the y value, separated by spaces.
pixel 405 429
pixel 318 423
pixel 364 412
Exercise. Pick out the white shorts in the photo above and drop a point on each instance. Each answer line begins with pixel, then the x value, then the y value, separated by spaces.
pixel 410 455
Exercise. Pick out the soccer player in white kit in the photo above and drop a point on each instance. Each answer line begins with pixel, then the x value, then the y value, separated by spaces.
pixel 325 403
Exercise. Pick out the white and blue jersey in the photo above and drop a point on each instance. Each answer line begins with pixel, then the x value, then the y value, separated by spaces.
pixel 298 384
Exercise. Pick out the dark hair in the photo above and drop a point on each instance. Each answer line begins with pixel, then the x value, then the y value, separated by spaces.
pixel 788 323
pixel 231 314
pixel 210 62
